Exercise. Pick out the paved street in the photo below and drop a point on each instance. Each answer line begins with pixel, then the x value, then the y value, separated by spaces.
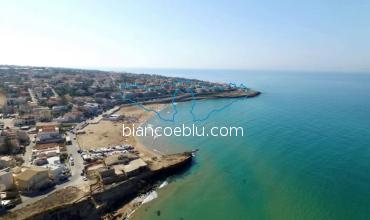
pixel 74 180
pixel 78 166
pixel 28 152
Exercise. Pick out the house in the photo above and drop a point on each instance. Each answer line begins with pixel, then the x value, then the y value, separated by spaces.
pixel 92 108
pixel 43 114
pixel 59 108
pixel 55 171
pixel 49 137
pixel 46 153
pixel 45 147
pixel 6 179
pixel 75 116
pixel 92 170
pixel 135 167
pixel 7 161
pixel 32 179
pixel 47 127
pixel 119 159
pixel 24 120
pixel 9 142
pixel 107 175
pixel 54 160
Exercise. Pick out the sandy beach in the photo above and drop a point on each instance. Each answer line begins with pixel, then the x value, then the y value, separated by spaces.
pixel 109 133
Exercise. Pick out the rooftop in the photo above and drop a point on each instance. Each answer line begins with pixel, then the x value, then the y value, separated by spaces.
pixel 29 173
pixel 134 165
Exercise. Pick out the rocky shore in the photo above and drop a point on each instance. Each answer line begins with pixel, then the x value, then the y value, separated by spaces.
pixel 98 201
pixel 248 93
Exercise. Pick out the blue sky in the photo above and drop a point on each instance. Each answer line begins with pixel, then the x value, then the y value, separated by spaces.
pixel 281 35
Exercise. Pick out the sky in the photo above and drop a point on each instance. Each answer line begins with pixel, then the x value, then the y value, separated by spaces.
pixel 313 35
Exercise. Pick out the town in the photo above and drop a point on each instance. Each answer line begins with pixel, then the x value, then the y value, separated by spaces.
pixel 45 114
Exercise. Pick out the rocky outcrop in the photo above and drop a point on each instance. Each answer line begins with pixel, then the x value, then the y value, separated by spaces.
pixel 73 203
pixel 248 93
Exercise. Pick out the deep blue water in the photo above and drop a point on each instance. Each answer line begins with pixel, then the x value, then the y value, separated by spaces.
pixel 305 153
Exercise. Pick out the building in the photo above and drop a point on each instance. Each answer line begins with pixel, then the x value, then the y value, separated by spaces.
pixel 55 171
pixel 32 179
pixel 1 125
pixel 49 137
pixel 70 117
pixel 59 109
pixel 114 117
pixel 54 160
pixel 48 127
pixel 46 152
pixel 107 176
pixel 6 179
pixel 43 114
pixel 92 170
pixel 135 167
pixel 3 147
pixel 10 141
pixel 119 159
pixel 92 108
pixel 24 120
pixel 7 161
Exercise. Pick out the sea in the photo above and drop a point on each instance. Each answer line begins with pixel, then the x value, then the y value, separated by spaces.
pixel 305 153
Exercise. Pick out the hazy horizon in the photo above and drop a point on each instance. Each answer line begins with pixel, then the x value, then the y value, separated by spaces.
pixel 148 70
pixel 246 35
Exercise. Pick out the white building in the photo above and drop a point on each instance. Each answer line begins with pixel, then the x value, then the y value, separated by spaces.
pixel 55 171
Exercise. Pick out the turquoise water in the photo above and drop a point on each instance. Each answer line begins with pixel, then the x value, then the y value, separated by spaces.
pixel 305 153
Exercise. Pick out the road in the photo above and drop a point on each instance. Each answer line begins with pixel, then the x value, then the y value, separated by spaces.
pixel 54 92
pixel 76 169
pixel 74 180
pixel 78 166
pixel 28 152
pixel 33 97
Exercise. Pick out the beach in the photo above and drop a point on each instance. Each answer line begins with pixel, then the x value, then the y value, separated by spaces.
pixel 109 133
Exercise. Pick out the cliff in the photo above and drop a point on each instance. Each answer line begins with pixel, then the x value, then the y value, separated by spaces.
pixel 75 203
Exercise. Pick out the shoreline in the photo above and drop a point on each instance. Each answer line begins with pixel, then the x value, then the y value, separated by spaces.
pixel 109 133
pixel 129 209
pixel 115 201
pixel 147 153
pixel 248 93
pixel 139 145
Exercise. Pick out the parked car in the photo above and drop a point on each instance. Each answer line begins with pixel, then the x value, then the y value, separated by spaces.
pixel 71 161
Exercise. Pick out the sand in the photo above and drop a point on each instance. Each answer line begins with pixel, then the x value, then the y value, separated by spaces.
pixel 109 133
